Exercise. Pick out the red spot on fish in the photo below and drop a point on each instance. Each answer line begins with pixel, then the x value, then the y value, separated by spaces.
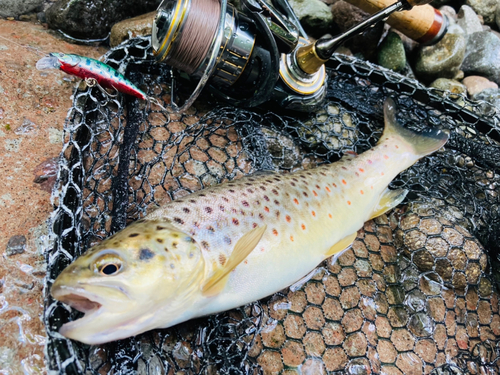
pixel 246 261
pixel 235 221
pixel 357 174
pixel 369 161
pixel 313 213
pixel 275 232
pixel 349 203
pixel 371 187
pixel 362 192
pixel 315 194
pixel 303 227
pixel 330 216
pixel 266 209
pixel 396 146
pixel 254 225
pixel 288 218
pixel 328 189
pixel 262 249
pixel 344 168
pixel 381 173
pixel 291 238
pixel 361 170
pixel 344 182
pixel 386 157
pixel 295 201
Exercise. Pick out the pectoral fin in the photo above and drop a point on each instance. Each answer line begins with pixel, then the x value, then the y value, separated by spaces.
pixel 389 199
pixel 243 247
pixel 341 245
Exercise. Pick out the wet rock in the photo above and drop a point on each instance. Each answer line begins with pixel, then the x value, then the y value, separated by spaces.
pixel 450 13
pixel 314 15
pixel 16 245
pixel 490 95
pixel 442 60
pixel 468 20
pixel 391 53
pixel 450 85
pixel 482 56
pixel 476 84
pixel 130 28
pixel 484 8
pixel 346 16
pixel 15 8
pixel 92 20
pixel 46 174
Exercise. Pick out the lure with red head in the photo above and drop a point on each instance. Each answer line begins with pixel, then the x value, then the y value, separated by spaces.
pixel 88 68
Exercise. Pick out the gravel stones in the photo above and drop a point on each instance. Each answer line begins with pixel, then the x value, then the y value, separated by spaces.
pixel 391 53
pixel 450 85
pixel 468 20
pixel 476 84
pixel 314 15
pixel 442 60
pixel 16 245
pixel 93 20
pixel 482 56
pixel 15 8
pixel 485 8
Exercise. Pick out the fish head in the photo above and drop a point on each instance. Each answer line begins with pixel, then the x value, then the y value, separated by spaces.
pixel 143 277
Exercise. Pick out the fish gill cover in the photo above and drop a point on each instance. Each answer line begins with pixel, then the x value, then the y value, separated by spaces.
pixel 415 293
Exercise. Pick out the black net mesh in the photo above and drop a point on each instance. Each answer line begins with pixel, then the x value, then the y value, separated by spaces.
pixel 415 293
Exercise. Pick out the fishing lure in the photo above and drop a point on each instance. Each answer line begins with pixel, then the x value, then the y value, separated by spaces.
pixel 93 72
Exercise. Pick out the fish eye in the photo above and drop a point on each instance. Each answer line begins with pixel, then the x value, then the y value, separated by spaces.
pixel 108 265
pixel 109 269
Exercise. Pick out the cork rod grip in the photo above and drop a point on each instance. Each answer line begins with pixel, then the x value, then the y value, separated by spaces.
pixel 421 23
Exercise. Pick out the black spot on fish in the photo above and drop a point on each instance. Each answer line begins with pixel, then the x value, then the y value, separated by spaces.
pixel 159 227
pixel 227 240
pixel 166 248
pixel 208 209
pixel 146 254
pixel 159 240
pixel 186 210
pixel 133 235
pixel 205 245
pixel 178 220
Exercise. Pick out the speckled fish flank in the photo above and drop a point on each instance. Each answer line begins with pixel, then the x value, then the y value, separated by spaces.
pixel 86 67
pixel 250 238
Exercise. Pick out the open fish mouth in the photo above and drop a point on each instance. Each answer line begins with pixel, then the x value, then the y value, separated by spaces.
pixel 77 298
pixel 80 303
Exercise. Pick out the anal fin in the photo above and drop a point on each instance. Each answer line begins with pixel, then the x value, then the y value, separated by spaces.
pixel 388 200
pixel 341 245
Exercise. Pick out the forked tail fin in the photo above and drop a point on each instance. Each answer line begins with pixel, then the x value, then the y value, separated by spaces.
pixel 422 143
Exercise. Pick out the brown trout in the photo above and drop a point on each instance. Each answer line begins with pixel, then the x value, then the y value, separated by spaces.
pixel 234 243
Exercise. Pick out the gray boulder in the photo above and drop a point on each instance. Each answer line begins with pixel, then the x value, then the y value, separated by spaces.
pixel 15 8
pixel 314 15
pixel 482 56
pixel 93 19
pixel 485 8
pixel 442 60
pixel 468 20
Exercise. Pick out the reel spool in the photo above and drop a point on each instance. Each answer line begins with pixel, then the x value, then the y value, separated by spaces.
pixel 252 55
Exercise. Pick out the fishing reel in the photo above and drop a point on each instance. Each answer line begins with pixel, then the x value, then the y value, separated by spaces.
pixel 250 56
